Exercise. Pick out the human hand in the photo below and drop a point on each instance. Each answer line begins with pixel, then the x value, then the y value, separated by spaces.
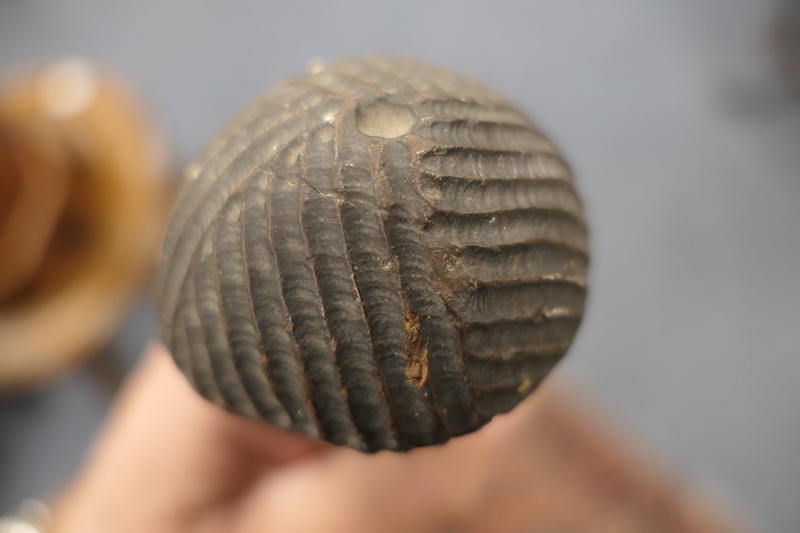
pixel 168 461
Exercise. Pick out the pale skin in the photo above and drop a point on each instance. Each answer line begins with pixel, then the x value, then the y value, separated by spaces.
pixel 168 461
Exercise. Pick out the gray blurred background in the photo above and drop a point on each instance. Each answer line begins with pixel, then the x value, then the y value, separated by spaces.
pixel 686 145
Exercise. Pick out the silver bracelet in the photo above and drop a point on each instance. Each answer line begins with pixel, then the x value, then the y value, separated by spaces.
pixel 32 517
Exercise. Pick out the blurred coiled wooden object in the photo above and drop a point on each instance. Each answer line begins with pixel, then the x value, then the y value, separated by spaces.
pixel 382 254
pixel 83 193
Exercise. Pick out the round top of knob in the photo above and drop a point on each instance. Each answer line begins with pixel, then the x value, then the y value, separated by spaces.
pixel 381 254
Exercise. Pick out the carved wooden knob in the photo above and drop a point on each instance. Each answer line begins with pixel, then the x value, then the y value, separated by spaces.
pixel 382 254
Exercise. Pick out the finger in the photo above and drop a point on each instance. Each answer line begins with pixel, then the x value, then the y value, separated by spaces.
pixel 428 489
pixel 167 451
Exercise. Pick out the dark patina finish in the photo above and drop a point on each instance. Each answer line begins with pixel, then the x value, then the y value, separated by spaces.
pixel 381 254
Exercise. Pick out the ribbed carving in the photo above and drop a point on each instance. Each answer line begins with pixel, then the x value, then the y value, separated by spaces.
pixel 381 254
